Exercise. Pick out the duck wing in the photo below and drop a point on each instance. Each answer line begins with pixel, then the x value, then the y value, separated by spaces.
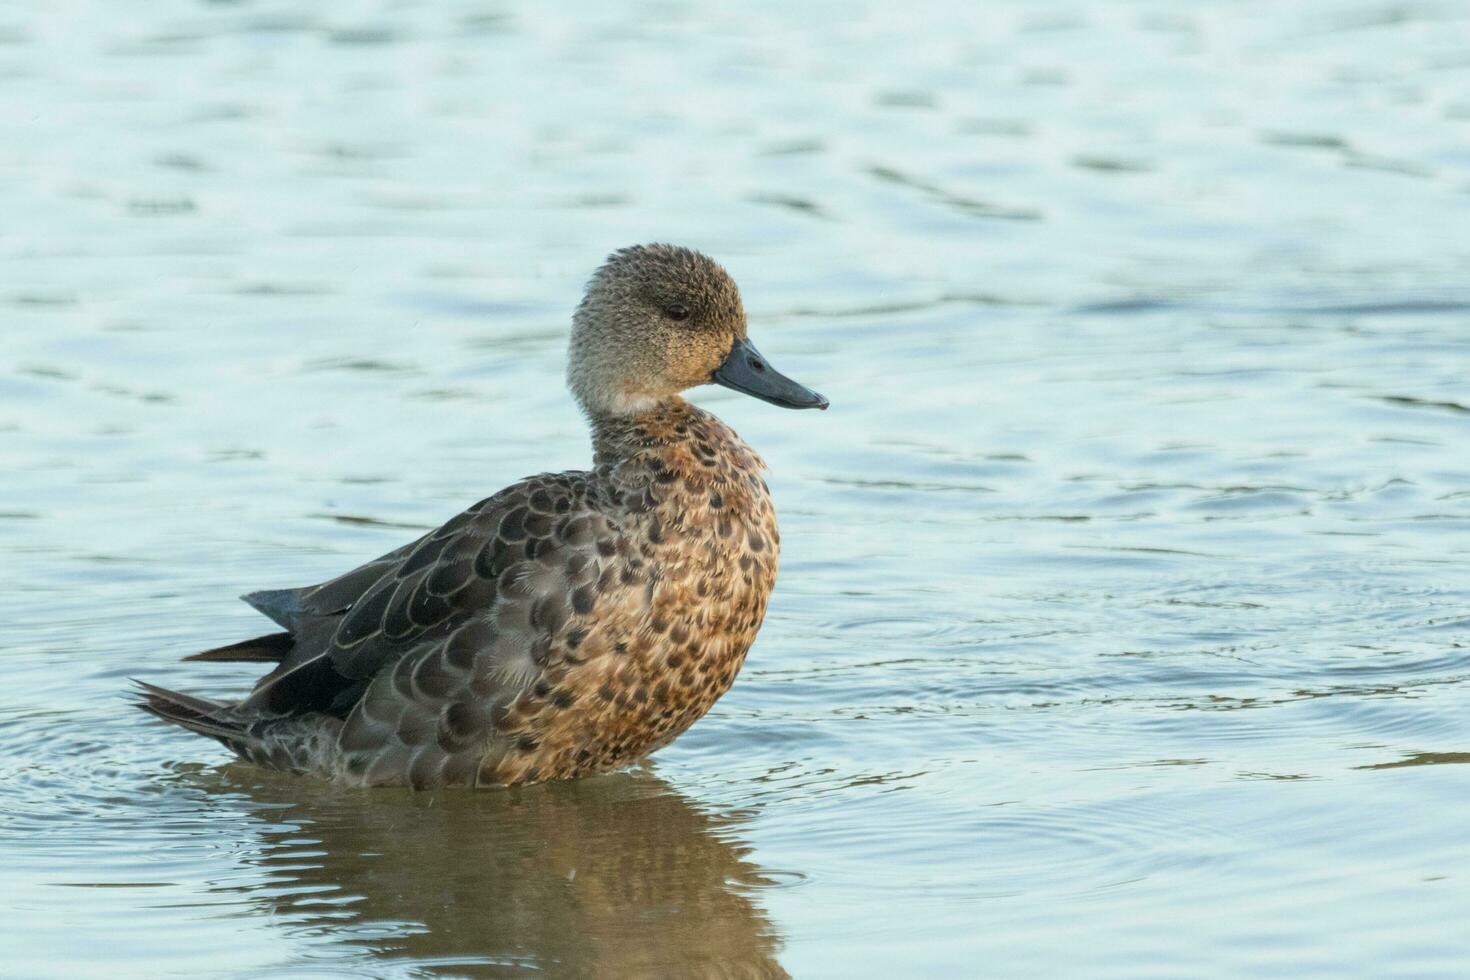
pixel 503 576
pixel 468 623
pixel 400 671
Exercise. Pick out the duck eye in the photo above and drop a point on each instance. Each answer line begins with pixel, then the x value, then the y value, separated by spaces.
pixel 676 311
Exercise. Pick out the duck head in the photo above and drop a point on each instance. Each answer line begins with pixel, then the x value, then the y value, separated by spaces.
pixel 659 319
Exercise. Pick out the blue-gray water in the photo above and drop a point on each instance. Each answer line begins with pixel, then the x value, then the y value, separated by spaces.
pixel 1123 626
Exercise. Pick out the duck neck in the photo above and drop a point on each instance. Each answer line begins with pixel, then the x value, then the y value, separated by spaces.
pixel 616 438
pixel 674 442
pixel 677 462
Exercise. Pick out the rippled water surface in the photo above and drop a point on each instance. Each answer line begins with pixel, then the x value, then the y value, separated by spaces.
pixel 1125 597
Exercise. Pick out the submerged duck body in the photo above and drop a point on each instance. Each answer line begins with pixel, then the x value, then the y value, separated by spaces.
pixel 570 624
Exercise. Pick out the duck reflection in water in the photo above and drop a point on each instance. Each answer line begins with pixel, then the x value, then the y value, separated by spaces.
pixel 615 876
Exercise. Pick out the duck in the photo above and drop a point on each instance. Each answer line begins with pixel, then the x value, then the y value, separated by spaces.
pixel 572 623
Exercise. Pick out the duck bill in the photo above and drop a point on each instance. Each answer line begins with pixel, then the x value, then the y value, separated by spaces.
pixel 746 370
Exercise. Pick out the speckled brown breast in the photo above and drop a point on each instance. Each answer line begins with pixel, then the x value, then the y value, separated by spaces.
pixel 693 567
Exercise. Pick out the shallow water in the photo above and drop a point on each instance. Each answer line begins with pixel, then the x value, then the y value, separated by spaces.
pixel 1124 619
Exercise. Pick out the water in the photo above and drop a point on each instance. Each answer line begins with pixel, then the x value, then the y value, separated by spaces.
pixel 1125 598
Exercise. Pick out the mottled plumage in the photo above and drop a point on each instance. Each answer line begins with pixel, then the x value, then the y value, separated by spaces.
pixel 571 623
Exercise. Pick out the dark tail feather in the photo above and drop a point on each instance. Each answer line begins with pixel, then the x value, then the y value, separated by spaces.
pixel 200 715
pixel 283 606
pixel 263 649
